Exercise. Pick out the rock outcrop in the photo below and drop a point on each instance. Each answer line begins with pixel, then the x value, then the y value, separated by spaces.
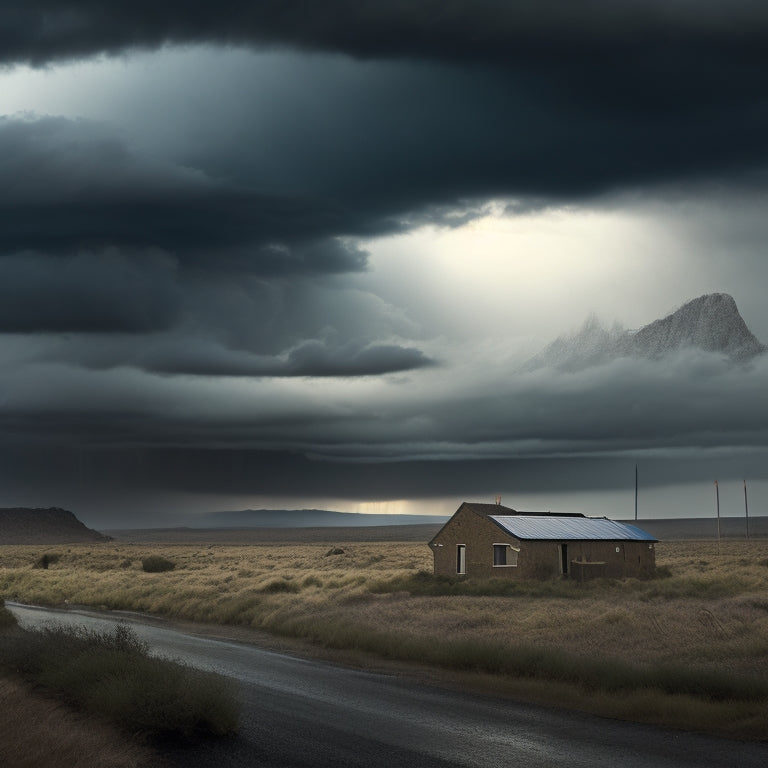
pixel 21 525
pixel 711 323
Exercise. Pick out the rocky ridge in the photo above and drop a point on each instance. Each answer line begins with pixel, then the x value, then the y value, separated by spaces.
pixel 711 323
pixel 23 525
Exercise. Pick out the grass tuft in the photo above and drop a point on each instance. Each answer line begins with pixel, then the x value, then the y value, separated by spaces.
pixel 47 559
pixel 111 674
pixel 280 585
pixel 157 564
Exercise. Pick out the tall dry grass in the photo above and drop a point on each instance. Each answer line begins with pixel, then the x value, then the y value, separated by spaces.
pixel 705 618
pixel 39 732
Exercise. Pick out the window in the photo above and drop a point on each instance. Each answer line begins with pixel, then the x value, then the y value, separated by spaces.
pixel 461 558
pixel 504 554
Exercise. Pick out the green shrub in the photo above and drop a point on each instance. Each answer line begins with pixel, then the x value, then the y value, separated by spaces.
pixel 111 674
pixel 46 560
pixel 157 564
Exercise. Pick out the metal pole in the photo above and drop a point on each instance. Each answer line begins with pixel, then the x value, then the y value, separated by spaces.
pixel 717 497
pixel 746 506
pixel 635 491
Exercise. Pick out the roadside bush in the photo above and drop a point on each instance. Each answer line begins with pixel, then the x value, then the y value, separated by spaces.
pixel 7 619
pixel 157 564
pixel 111 674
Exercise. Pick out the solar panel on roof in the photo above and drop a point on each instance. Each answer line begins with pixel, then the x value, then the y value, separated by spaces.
pixel 584 528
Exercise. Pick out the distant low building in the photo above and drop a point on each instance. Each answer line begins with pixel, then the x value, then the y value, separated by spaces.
pixel 489 540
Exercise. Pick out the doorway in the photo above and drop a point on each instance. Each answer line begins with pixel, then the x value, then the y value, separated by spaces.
pixel 461 558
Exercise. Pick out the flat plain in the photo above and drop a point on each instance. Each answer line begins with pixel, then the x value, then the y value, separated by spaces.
pixel 688 648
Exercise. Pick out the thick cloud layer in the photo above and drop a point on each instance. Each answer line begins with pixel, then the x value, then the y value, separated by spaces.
pixel 78 187
pixel 686 419
pixel 43 30
pixel 189 295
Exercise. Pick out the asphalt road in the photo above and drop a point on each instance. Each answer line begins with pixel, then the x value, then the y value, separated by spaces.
pixel 298 712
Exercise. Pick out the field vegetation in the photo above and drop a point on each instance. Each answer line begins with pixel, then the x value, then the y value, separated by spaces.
pixel 688 648
pixel 36 731
pixel 78 697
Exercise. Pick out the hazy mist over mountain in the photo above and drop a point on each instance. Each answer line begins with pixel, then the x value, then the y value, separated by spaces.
pixel 709 323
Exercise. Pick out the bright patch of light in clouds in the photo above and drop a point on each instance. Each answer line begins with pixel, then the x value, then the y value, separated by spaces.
pixel 517 281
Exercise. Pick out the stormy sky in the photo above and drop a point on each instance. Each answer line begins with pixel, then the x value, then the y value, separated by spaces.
pixel 297 254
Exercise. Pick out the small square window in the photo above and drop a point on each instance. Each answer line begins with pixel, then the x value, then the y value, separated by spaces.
pixel 504 555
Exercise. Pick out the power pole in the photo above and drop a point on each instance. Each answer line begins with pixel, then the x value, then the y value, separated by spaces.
pixel 717 498
pixel 746 506
pixel 635 491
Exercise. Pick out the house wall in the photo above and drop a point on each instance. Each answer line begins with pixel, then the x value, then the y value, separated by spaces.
pixel 536 559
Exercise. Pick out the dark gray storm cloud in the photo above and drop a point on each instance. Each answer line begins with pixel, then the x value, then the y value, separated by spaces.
pixel 78 186
pixel 500 30
pixel 689 400
pixel 90 292
pixel 170 275
pixel 688 419
pixel 97 238
pixel 310 358
pixel 491 98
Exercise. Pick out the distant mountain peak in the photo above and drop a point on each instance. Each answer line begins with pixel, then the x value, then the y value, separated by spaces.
pixel 711 322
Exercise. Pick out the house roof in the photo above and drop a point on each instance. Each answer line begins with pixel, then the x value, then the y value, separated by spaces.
pixel 487 509
pixel 490 510
pixel 569 528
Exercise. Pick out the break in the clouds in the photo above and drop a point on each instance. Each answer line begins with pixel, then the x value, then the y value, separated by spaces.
pixel 298 250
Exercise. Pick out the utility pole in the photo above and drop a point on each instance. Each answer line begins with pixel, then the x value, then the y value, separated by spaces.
pixel 717 498
pixel 635 492
pixel 746 506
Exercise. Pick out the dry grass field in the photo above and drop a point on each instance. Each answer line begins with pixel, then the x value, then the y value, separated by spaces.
pixel 39 732
pixel 689 648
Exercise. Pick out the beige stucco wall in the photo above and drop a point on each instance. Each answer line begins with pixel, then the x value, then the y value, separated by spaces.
pixel 536 559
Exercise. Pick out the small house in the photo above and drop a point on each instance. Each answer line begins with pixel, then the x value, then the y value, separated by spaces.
pixel 489 540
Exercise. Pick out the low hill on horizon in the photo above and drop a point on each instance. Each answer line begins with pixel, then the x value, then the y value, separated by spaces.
pixel 670 529
pixel 307 518
pixel 25 525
